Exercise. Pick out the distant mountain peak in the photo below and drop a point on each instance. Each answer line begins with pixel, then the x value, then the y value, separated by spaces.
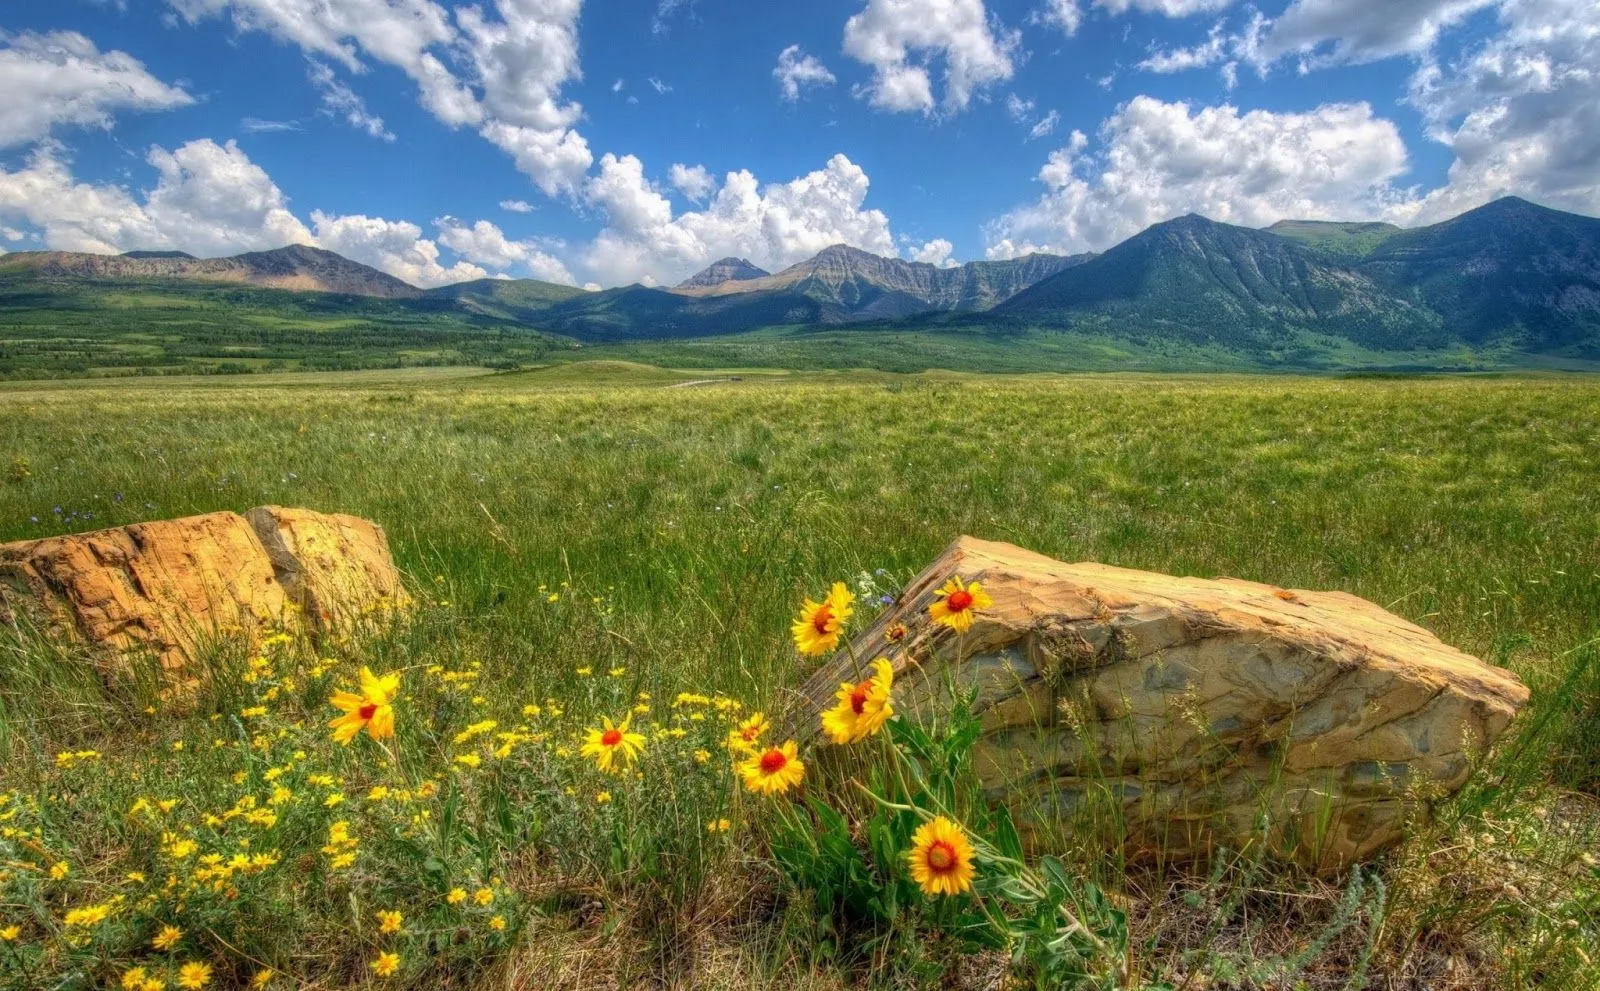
pixel 722 270
pixel 157 254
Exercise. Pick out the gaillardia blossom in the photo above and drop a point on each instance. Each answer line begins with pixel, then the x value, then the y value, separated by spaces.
pixel 372 710
pixel 613 743
pixel 957 602
pixel 747 734
pixel 862 708
pixel 940 858
pixel 773 771
pixel 817 628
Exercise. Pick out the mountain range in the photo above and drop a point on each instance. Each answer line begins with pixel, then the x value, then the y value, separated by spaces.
pixel 1509 277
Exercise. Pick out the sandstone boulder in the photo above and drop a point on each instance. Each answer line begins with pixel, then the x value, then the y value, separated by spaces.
pixel 168 587
pixel 1179 715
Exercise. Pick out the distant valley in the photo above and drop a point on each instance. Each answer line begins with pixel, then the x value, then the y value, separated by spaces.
pixel 1510 283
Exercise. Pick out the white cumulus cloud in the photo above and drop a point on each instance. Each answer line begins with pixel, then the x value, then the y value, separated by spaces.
pixel 486 244
pixel 500 70
pixel 774 225
pixel 212 200
pixel 796 70
pixel 1520 112
pixel 935 252
pixel 62 78
pixel 1159 160
pixel 693 181
pixel 1336 31
pixel 393 246
pixel 209 199
pixel 900 38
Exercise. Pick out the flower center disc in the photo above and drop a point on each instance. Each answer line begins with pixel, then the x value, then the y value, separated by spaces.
pixel 959 600
pixel 611 737
pixel 858 698
pixel 941 857
pixel 821 618
pixel 367 711
pixel 773 761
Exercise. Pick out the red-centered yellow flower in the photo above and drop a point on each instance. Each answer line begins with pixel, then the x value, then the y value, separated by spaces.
pixel 773 771
pixel 940 858
pixel 613 747
pixel 957 602
pixel 748 734
pixel 862 708
pixel 817 628
pixel 372 709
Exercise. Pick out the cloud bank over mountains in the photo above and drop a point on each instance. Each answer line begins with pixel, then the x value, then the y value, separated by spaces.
pixel 1516 107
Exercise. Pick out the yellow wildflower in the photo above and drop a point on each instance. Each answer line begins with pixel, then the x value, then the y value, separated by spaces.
pixel 862 708
pixel 816 630
pixel 372 709
pixel 612 742
pixel 386 964
pixel 167 938
pixel 194 975
pixel 957 602
pixel 773 771
pixel 941 858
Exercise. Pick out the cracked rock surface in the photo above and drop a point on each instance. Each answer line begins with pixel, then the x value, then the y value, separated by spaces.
pixel 169 586
pixel 1180 715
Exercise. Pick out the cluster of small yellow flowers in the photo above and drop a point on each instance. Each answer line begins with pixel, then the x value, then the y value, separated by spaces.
pixel 341 848
pixel 89 915
pixel 219 873
pixel 474 730
pixel 718 826
pixel 459 682
pixel 71 758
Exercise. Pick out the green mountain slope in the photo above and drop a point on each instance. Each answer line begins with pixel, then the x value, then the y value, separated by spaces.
pixel 1508 270
pixel 1197 280
pixel 520 300
pixel 1354 240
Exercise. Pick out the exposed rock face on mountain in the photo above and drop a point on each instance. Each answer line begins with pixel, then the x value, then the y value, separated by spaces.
pixel 1188 712
pixel 851 284
pixel 169 586
pixel 295 267
pixel 1507 269
pixel 1199 280
pixel 723 270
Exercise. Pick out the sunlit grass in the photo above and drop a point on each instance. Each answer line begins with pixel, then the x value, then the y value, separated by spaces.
pixel 677 529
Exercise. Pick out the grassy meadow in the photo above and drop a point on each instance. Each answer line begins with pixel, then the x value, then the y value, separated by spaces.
pixel 599 539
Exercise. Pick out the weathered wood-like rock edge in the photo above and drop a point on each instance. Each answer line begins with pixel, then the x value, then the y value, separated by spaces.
pixel 1181 715
pixel 170 587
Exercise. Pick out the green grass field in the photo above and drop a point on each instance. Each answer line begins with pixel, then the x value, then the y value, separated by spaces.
pixel 566 523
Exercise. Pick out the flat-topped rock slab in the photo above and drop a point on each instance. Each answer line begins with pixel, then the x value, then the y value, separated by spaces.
pixel 1183 714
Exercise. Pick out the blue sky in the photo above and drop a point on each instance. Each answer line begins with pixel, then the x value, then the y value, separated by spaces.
pixel 637 140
